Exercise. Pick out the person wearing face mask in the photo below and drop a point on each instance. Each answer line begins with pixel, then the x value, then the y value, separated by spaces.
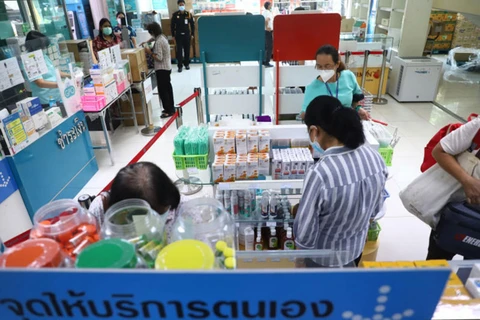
pixel 268 15
pixel 335 81
pixel 183 31
pixel 106 38
pixel 343 190
pixel 122 23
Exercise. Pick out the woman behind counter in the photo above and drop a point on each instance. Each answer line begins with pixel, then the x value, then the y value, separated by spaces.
pixel 343 191
pixel 44 86
pixel 334 81
pixel 106 38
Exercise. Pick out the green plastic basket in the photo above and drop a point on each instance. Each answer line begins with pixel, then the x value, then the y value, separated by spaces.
pixel 387 155
pixel 183 162
pixel 374 231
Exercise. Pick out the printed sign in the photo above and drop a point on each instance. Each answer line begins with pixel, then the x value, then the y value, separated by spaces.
pixel 352 294
pixel 116 54
pixel 7 182
pixel 10 74
pixel 34 64
pixel 105 59
pixel 148 88
pixel 15 132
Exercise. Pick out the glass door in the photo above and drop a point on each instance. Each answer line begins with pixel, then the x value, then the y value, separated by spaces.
pixel 50 17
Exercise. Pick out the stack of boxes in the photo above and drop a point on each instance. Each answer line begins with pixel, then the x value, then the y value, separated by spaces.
pixel 467 34
pixel 138 62
pixel 291 163
pixel 81 53
pixel 448 21
pixel 241 155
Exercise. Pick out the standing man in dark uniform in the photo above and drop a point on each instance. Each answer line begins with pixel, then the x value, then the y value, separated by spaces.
pixel 183 30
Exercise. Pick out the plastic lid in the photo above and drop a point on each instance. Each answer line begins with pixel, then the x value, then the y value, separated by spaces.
pixel 185 255
pixel 230 263
pixel 33 253
pixel 229 252
pixel 220 245
pixel 111 253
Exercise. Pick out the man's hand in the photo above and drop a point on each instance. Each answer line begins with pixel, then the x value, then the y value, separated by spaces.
pixel 364 115
pixel 472 190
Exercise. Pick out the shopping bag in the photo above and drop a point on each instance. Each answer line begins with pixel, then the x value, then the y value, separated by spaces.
pixel 425 196
pixel 70 93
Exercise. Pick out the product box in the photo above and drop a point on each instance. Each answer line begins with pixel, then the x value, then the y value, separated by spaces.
pixel 264 164
pixel 405 264
pixel 252 169
pixel 241 143
pixel 89 90
pixel 241 170
pixel 124 66
pixel 39 119
pixel 81 53
pixel 217 172
pixel 111 92
pixel 54 116
pixel 252 143
pixel 229 144
pixel 302 169
pixel 219 143
pixel 473 286
pixel 286 168
pixel 371 265
pixel 138 62
pixel 295 167
pixel 431 263
pixel 230 171
pixel 277 168
pixel 264 143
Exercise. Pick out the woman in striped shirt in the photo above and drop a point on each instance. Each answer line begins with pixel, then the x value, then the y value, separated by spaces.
pixel 343 191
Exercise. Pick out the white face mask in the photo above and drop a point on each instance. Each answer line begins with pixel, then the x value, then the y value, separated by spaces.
pixel 326 74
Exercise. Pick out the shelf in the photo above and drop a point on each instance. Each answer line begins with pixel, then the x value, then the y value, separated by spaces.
pixel 399 10
pixel 386 9
pixel 263 184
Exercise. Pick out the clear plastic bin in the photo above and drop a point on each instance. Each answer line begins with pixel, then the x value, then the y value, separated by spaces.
pixel 66 222
pixel 135 221
pixel 35 253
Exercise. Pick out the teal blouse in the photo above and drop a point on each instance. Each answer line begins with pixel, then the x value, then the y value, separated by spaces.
pixel 347 87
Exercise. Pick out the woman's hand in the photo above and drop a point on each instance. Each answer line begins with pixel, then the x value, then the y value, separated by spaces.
pixel 364 115
pixel 472 190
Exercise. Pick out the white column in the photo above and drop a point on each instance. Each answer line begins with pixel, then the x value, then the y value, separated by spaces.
pixel 415 28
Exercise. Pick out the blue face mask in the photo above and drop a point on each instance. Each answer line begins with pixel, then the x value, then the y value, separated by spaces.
pixel 182 8
pixel 316 146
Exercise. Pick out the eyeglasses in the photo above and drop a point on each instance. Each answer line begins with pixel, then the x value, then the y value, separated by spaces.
pixel 325 67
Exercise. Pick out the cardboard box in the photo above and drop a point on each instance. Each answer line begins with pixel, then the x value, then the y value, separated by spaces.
pixel 81 53
pixel 125 107
pixel 431 263
pixel 230 171
pixel 449 27
pixel 138 62
pixel 217 172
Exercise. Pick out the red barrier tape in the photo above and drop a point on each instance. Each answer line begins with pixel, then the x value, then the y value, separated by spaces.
pixel 193 96
pixel 361 53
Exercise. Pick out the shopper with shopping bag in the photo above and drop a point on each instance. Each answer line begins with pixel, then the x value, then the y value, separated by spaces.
pixel 455 178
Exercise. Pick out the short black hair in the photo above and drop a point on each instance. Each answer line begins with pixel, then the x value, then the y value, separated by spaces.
pixel 181 1
pixel 119 13
pixel 267 4
pixel 154 29
pixel 336 120
pixel 36 41
pixel 146 181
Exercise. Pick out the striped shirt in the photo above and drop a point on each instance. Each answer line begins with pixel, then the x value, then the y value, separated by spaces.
pixel 162 50
pixel 342 192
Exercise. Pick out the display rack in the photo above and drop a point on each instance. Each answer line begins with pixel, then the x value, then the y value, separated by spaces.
pixel 389 19
pixel 222 50
pixel 299 44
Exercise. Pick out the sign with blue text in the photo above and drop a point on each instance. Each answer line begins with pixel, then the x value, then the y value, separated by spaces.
pixel 7 182
pixel 356 294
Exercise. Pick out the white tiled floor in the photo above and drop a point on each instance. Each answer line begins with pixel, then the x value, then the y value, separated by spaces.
pixel 403 236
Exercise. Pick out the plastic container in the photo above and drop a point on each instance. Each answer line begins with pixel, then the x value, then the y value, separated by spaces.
pixel 35 253
pixel 110 254
pixel 206 220
pixel 186 255
pixel 66 222
pixel 135 221
pixel 93 103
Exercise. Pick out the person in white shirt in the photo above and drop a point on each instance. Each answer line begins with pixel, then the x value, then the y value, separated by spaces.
pixel 451 145
pixel 268 15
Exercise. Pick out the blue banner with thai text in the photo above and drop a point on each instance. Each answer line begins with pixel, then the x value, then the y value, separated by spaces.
pixel 355 294
pixel 7 182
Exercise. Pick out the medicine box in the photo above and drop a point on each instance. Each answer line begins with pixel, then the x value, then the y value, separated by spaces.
pixel 217 172
pixel 89 90
pixel 473 286
pixel 252 168
pixel 263 164
pixel 229 169
pixel 230 144
pixel 264 143
pixel 241 170
pixel 241 143
pixel 252 143
pixel 219 143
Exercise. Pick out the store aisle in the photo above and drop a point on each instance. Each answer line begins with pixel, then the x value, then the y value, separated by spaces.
pixel 403 236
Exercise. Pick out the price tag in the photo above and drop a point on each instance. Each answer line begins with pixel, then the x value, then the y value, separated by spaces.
pixel 271 224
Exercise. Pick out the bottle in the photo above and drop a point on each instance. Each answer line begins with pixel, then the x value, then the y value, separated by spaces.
pixel 247 207
pixel 273 240
pixel 253 194
pixel 259 242
pixel 265 205
pixel 249 239
pixel 52 102
pixel 241 203
pixel 289 243
pixel 273 207
pixel 219 196
pixel 228 202
pixel 234 199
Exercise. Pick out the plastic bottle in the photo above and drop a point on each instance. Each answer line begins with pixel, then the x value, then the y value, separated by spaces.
pixel 219 195
pixel 273 240
pixel 234 198
pixel 273 207
pixel 247 207
pixel 259 242
pixel 289 243
pixel 249 239
pixel 52 102
pixel 241 203
pixel 228 202
pixel 265 205
pixel 253 193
